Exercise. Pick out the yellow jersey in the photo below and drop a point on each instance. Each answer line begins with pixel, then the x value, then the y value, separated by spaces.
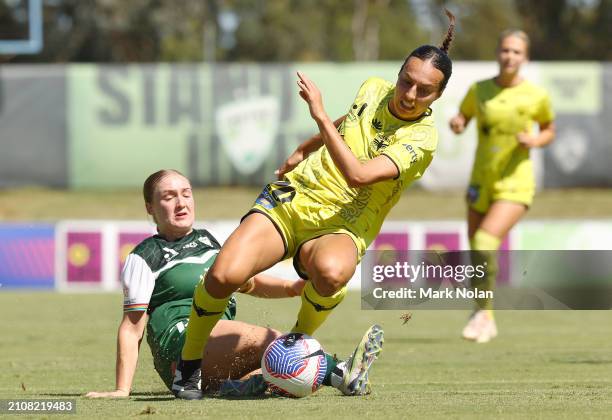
pixel 501 114
pixel 369 130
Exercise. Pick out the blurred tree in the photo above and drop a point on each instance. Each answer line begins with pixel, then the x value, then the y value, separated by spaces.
pixel 568 29
pixel 478 24
pixel 330 30
pixel 308 30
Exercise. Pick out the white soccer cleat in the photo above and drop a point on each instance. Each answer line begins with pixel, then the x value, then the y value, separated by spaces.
pixel 480 328
pixel 351 375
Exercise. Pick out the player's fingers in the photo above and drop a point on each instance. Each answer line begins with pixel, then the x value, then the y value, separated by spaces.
pixel 302 77
pixel 305 79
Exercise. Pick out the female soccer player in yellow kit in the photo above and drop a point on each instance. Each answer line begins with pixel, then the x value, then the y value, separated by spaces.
pixel 333 195
pixel 502 184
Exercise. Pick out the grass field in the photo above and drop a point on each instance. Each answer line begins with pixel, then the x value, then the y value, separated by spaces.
pixel 35 204
pixel 545 364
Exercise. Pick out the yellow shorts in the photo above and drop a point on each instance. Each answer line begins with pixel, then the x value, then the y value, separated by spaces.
pixel 480 196
pixel 299 219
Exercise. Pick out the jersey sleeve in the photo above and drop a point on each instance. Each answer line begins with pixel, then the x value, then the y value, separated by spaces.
pixel 544 113
pixel 409 154
pixel 469 104
pixel 138 281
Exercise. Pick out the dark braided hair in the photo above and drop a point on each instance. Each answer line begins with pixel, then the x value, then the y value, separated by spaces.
pixel 438 55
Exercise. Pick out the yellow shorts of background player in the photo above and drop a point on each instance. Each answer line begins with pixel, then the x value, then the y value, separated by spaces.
pixel 480 196
pixel 299 219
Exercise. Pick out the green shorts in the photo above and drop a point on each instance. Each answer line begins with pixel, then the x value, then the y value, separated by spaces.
pixel 167 346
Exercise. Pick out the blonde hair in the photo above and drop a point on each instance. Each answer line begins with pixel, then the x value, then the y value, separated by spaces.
pixel 517 33
pixel 152 181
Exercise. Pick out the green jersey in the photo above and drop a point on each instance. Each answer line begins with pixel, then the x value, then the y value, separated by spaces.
pixel 160 277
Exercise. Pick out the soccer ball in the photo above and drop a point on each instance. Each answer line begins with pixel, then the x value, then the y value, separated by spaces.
pixel 294 365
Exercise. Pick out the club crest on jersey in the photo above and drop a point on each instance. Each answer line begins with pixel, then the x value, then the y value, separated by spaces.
pixel 205 240
pixel 248 128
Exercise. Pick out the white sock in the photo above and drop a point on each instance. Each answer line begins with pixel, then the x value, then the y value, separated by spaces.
pixel 338 374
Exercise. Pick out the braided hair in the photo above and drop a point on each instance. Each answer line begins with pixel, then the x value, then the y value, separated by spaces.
pixel 438 55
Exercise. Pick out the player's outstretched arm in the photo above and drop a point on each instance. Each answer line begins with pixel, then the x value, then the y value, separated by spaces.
pixel 266 286
pixel 303 150
pixel 356 173
pixel 129 337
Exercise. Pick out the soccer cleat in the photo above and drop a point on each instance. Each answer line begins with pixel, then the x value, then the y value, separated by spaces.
pixel 355 379
pixel 480 328
pixel 187 383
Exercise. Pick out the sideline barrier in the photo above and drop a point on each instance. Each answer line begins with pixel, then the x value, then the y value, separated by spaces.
pixel 88 255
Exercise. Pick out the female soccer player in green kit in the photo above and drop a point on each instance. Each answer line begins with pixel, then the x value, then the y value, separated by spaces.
pixel 502 183
pixel 331 199
pixel 159 277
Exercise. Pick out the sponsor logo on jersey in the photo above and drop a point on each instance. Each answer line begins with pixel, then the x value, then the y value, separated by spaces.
pixel 377 124
pixel 190 245
pixel 412 152
pixel 170 253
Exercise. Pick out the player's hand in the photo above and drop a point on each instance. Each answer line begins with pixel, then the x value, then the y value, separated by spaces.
pixel 312 95
pixel 291 162
pixel 296 287
pixel 118 393
pixel 527 140
pixel 457 124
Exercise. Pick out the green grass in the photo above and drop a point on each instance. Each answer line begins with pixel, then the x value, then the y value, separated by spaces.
pixel 543 365
pixel 36 204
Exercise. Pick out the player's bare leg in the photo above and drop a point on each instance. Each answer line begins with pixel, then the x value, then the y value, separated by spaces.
pixel 330 262
pixel 253 247
pixel 486 233
pixel 234 350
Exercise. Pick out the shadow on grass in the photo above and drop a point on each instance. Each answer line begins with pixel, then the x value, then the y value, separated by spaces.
pixel 154 399
pixel 582 361
pixel 62 394
pixel 133 394
pixel 419 340
pixel 210 397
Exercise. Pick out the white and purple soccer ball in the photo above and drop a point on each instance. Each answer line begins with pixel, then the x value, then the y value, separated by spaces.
pixel 294 365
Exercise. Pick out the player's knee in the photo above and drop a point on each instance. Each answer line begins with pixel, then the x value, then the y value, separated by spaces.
pixel 329 277
pixel 225 277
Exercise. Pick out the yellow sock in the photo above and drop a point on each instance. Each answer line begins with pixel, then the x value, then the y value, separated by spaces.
pixel 205 312
pixel 315 308
pixel 485 248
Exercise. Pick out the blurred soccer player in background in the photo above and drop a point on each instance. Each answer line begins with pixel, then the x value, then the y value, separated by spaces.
pixel 502 183
pixel 331 199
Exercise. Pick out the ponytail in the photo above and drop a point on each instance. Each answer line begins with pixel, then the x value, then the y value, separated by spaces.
pixel 450 33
